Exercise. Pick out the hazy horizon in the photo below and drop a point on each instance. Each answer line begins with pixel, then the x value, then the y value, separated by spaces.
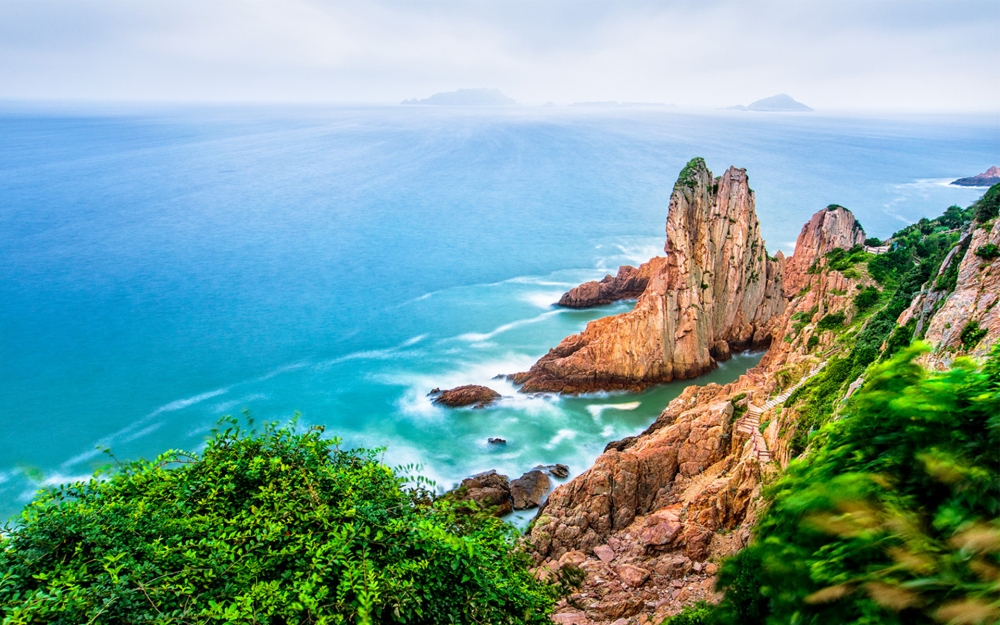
pixel 888 56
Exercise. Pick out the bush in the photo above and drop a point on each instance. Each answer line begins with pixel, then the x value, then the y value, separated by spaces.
pixel 831 321
pixel 894 517
pixel 279 527
pixel 812 342
pixel 865 299
pixel 873 242
pixel 700 613
pixel 972 334
pixel 988 251
pixel 988 206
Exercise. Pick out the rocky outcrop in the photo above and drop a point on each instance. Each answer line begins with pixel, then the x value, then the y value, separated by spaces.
pixel 969 320
pixel 529 490
pixel 986 179
pixel 468 395
pixel 489 489
pixel 828 229
pixel 717 283
pixel 628 284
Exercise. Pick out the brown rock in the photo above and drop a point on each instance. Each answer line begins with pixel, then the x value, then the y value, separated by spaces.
pixel 529 490
pixel 830 228
pixel 489 489
pixel 717 283
pixel 555 470
pixel 632 575
pixel 605 553
pixel 467 395
pixel 570 618
pixel 660 528
pixel 628 284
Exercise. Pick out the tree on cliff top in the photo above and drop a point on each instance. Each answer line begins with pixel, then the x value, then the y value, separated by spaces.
pixel 278 527
pixel 894 517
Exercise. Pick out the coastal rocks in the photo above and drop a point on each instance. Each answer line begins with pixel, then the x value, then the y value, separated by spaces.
pixel 488 489
pixel 986 179
pixel 717 283
pixel 529 490
pixel 468 395
pixel 496 441
pixel 628 284
pixel 828 229
pixel 560 471
pixel 969 320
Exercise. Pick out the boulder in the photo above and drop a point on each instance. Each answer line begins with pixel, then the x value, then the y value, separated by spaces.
pixel 605 553
pixel 632 575
pixel 529 490
pixel 560 471
pixel 490 490
pixel 468 395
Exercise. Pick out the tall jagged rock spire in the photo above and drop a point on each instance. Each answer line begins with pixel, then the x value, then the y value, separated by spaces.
pixel 717 290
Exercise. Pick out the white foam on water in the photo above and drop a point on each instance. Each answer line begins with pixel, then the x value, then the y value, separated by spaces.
pixel 596 410
pixel 608 431
pixel 476 337
pixel 143 432
pixel 561 435
pixel 542 299
pixel 372 354
pixel 638 253
pixel 223 406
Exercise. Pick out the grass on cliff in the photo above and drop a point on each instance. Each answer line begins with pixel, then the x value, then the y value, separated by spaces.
pixel 271 527
pixel 894 518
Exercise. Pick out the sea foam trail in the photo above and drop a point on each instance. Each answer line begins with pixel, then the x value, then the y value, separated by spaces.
pixel 476 337
pixel 596 410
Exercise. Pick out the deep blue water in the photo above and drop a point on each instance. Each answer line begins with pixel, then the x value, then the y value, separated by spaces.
pixel 159 269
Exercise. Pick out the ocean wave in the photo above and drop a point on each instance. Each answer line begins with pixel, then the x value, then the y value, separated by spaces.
pixel 542 299
pixel 596 410
pixel 561 435
pixel 476 337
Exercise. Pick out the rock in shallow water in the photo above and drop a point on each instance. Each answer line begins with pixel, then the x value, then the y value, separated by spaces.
pixel 489 489
pixel 529 490
pixel 496 441
pixel 467 395
pixel 555 470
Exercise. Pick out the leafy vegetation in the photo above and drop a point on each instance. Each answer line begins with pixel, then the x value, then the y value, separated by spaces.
pixel 866 298
pixel 832 321
pixel 894 517
pixel 840 259
pixel 276 527
pixel 988 251
pixel 873 242
pixel 689 175
pixel 972 334
pixel 695 614
pixel 988 206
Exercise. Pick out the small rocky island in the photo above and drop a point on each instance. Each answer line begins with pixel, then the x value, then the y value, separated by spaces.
pixel 986 179
pixel 466 97
pixel 781 103
pixel 467 395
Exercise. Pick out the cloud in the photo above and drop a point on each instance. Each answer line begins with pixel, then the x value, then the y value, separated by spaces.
pixel 830 54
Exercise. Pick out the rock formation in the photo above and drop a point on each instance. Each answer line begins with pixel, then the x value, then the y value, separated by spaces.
pixel 828 229
pixel 988 178
pixel 649 521
pixel 530 489
pixel 480 396
pixel 489 489
pixel 628 284
pixel 717 284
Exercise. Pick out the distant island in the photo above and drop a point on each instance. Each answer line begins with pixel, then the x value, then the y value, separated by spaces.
pixel 466 97
pixel 986 179
pixel 776 103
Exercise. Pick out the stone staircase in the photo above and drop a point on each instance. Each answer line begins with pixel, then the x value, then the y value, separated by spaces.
pixel 749 423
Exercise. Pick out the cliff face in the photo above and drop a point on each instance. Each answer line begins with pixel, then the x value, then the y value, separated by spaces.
pixel 716 290
pixel 649 519
pixel 628 284
pixel 828 229
pixel 972 305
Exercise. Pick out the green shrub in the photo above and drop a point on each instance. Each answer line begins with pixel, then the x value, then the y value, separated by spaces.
pixel 972 334
pixel 988 206
pixel 866 298
pixel 894 518
pixel 831 321
pixel 280 527
pixel 988 251
pixel 873 242
pixel 700 613
pixel 812 342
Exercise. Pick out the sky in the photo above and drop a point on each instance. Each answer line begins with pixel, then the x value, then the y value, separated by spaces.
pixel 912 55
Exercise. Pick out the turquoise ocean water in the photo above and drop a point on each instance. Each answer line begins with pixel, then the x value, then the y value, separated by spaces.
pixel 164 267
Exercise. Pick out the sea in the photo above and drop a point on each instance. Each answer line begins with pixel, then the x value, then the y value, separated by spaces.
pixel 162 267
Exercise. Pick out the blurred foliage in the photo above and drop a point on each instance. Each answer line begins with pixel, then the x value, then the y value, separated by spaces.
pixel 988 206
pixel 866 298
pixel 276 527
pixel 700 613
pixel 893 517
pixel 988 251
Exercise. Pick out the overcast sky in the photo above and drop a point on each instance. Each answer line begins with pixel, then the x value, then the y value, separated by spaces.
pixel 831 54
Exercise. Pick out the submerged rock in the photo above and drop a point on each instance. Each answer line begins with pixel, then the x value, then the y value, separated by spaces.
pixel 480 396
pixel 530 489
pixel 496 441
pixel 489 489
pixel 555 470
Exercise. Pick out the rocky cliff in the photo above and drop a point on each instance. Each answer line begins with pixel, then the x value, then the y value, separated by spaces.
pixel 630 283
pixel 717 290
pixel 828 229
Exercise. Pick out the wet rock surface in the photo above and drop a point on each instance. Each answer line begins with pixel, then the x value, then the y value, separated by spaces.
pixel 468 395
pixel 490 490
pixel 628 284
pixel 529 490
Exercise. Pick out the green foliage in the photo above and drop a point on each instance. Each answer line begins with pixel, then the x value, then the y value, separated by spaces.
pixel 988 206
pixel 873 242
pixel 894 517
pixel 972 334
pixel 866 298
pixel 955 217
pixel 900 338
pixel 832 321
pixel 700 613
pixel 988 251
pixel 280 527
pixel 812 342
pixel 689 175
pixel 840 259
